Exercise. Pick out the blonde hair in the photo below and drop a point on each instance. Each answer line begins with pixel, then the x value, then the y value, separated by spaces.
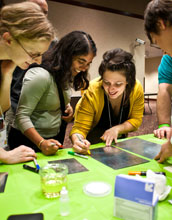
pixel 25 21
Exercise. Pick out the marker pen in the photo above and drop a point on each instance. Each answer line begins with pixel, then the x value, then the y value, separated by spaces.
pixel 36 164
pixel 33 169
pixel 89 153
pixel 60 147
pixel 78 155
pixel 143 173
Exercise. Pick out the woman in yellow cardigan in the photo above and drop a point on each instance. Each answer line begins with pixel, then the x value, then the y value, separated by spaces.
pixel 112 105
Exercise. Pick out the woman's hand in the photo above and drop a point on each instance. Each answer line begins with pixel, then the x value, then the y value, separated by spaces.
pixel 47 146
pixel 18 155
pixel 165 152
pixel 69 113
pixel 80 145
pixel 164 132
pixel 50 147
pixel 110 135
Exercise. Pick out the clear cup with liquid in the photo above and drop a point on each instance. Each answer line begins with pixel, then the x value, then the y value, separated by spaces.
pixel 53 178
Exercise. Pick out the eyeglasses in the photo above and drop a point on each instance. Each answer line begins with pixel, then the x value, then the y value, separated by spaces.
pixel 32 56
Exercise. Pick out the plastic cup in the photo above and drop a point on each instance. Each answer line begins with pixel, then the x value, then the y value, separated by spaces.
pixel 53 178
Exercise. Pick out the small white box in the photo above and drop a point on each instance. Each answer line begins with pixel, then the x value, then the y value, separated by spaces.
pixel 135 198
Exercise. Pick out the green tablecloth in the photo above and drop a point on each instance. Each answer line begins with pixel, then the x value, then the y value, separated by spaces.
pixel 23 189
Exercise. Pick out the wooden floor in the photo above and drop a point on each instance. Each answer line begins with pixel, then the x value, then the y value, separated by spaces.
pixel 148 125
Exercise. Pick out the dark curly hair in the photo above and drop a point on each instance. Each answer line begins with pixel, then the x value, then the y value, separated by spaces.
pixel 120 60
pixel 155 10
pixel 58 59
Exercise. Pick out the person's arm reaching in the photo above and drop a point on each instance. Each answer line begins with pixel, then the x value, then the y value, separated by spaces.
pixel 80 144
pixel 112 133
pixel 166 151
pixel 18 155
pixel 48 147
pixel 164 111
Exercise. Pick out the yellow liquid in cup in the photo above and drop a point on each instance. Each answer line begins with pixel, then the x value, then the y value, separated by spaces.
pixel 52 182
pixel 52 185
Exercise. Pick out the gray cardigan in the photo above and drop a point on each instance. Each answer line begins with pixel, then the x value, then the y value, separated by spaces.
pixel 39 103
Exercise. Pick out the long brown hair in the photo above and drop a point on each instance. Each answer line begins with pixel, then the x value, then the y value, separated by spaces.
pixel 58 60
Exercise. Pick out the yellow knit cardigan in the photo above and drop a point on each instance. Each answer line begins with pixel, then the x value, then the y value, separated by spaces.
pixel 89 108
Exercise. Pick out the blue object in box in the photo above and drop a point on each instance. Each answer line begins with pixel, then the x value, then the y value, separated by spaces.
pixel 135 198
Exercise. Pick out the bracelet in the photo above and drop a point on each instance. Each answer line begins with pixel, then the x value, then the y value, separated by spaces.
pixel 41 141
pixel 163 125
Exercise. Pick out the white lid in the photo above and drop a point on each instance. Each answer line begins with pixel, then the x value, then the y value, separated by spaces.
pixel 97 189
pixel 63 191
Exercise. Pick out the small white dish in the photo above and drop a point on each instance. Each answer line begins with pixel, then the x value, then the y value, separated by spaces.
pixel 97 189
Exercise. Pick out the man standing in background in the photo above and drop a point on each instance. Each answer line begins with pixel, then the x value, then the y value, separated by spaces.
pixel 164 98
pixel 158 26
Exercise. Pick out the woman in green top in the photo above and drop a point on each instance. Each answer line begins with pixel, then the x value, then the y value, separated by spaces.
pixel 39 114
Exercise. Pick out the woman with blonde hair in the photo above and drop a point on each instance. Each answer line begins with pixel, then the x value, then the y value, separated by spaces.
pixel 25 34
